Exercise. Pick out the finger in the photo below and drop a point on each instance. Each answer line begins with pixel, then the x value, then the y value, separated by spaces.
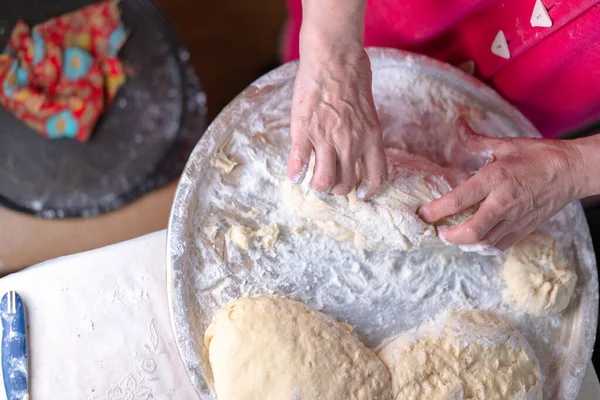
pixel 376 173
pixel 458 199
pixel 474 229
pixel 476 142
pixel 472 141
pixel 499 231
pixel 511 239
pixel 299 159
pixel 345 175
pixel 325 170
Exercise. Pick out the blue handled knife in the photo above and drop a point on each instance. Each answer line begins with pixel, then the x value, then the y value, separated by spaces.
pixel 14 347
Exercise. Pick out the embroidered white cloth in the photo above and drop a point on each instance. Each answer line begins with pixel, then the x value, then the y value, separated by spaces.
pixel 99 326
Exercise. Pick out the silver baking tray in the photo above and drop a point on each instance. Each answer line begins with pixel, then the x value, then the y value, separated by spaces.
pixel 381 295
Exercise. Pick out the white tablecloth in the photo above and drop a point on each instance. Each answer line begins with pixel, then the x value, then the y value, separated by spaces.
pixel 99 326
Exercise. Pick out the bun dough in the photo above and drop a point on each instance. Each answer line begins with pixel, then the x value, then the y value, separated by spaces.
pixel 271 348
pixel 538 276
pixel 473 355
pixel 389 221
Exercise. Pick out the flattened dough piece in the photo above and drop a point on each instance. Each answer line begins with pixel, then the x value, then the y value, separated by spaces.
pixel 538 277
pixel 272 348
pixel 389 221
pixel 472 355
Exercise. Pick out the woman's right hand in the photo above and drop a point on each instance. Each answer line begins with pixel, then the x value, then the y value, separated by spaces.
pixel 334 115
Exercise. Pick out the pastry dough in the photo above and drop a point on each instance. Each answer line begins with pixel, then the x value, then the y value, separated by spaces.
pixel 272 348
pixel 475 355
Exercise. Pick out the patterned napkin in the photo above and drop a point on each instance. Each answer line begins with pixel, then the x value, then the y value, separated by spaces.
pixel 59 76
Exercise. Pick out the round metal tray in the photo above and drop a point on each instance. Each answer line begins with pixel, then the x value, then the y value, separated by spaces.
pixel 202 275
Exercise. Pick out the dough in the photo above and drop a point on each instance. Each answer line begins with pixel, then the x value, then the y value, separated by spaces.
pixel 243 237
pixel 272 348
pixel 473 355
pixel 538 277
pixel 390 220
pixel 240 236
pixel 267 235
pixel 223 163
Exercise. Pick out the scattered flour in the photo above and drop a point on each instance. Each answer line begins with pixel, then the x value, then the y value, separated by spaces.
pixel 380 294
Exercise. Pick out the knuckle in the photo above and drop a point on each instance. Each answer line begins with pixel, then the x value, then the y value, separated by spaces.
pixel 298 160
pixel 473 233
pixel 500 174
pixel 535 216
pixel 514 193
pixel 325 181
pixel 495 206
pixel 301 123
pixel 347 144
pixel 455 202
pixel 378 180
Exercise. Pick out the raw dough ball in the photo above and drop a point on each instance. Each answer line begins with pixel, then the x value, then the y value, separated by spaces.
pixel 390 220
pixel 473 355
pixel 538 276
pixel 271 348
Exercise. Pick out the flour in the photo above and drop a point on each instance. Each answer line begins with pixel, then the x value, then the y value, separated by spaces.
pixel 380 294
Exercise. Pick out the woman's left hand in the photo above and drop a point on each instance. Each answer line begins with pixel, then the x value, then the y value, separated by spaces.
pixel 525 184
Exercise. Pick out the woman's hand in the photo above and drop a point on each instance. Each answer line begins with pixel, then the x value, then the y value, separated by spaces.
pixel 333 112
pixel 528 181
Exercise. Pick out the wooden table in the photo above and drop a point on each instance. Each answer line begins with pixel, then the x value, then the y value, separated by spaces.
pixel 231 43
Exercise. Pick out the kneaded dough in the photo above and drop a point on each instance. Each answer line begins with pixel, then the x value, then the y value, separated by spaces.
pixel 389 221
pixel 272 348
pixel 473 355
pixel 538 277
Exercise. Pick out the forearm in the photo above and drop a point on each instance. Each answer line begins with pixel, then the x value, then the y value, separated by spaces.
pixel 332 28
pixel 588 165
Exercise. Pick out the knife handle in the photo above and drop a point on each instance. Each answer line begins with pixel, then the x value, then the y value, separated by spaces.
pixel 14 347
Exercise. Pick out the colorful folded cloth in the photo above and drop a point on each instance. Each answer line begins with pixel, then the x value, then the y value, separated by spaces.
pixel 59 76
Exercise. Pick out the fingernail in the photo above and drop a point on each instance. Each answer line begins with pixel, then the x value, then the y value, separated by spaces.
pixel 319 194
pixel 363 189
pixel 299 177
pixel 442 230
pixel 423 213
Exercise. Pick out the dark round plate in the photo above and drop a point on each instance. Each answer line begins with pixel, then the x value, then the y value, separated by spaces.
pixel 137 145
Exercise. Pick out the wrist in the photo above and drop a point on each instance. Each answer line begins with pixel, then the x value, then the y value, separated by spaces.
pixel 332 29
pixel 586 168
pixel 331 55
